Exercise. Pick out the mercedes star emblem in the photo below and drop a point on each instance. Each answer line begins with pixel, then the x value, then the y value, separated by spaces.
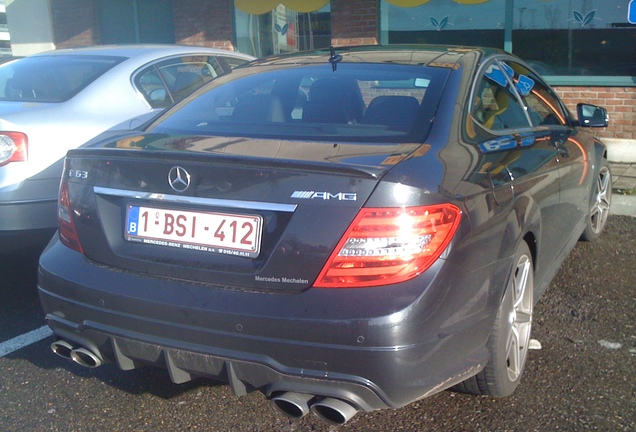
pixel 179 179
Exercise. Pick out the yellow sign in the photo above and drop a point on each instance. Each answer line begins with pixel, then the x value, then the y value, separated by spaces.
pixel 259 7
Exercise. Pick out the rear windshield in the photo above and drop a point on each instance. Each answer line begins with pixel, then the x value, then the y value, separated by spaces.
pixel 51 78
pixel 356 102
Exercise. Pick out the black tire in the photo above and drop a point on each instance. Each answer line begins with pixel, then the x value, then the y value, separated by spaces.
pixel 600 203
pixel 510 336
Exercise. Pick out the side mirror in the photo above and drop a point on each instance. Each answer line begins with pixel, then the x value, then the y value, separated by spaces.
pixel 592 115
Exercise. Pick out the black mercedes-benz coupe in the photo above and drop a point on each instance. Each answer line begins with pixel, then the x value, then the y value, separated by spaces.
pixel 343 230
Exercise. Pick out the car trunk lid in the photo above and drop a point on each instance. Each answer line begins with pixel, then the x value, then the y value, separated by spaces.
pixel 232 212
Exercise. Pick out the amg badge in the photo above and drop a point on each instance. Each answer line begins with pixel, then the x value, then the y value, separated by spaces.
pixel 340 196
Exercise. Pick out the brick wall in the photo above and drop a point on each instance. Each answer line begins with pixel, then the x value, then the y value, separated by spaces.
pixel 354 23
pixel 75 23
pixel 620 103
pixel 205 23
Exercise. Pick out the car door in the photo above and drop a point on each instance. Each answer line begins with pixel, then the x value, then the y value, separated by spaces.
pixel 519 159
pixel 573 152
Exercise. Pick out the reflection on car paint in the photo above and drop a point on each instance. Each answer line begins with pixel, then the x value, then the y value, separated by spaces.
pixel 507 142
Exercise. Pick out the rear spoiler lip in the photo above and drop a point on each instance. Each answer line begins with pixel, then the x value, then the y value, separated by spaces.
pixel 341 169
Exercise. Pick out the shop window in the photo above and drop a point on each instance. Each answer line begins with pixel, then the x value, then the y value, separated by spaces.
pixel 575 37
pixel 557 37
pixel 443 22
pixel 281 29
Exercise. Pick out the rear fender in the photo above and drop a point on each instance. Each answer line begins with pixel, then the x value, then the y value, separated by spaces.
pixel 523 224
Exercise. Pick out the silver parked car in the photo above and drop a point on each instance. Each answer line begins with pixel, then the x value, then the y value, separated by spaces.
pixel 56 101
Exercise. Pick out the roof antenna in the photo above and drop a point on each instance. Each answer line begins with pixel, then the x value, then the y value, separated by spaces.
pixel 335 58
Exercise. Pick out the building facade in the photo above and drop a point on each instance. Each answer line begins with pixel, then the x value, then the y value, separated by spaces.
pixel 585 48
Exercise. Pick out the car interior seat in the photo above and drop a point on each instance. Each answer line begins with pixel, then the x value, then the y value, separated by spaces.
pixel 259 108
pixel 334 100
pixel 395 112
pixel 185 83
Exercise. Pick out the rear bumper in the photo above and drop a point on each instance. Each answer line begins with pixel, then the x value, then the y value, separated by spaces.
pixel 28 214
pixel 26 225
pixel 305 343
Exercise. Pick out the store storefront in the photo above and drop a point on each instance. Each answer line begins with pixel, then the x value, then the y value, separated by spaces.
pixel 565 38
pixel 269 27
pixel 585 48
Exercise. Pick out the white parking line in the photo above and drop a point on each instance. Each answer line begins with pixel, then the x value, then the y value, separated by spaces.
pixel 26 339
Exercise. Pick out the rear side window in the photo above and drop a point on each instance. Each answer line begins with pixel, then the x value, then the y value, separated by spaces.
pixel 495 104
pixel 51 78
pixel 358 102
pixel 170 81
pixel 543 105
pixel 233 62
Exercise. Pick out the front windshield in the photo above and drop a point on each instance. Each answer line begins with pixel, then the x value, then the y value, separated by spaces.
pixel 356 102
pixel 54 78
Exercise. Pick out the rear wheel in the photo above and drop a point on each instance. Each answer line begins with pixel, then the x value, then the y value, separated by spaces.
pixel 601 200
pixel 510 336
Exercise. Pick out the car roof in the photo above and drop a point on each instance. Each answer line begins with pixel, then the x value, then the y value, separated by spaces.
pixel 426 55
pixel 142 50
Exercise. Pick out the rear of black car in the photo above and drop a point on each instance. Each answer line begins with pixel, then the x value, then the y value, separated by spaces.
pixel 279 237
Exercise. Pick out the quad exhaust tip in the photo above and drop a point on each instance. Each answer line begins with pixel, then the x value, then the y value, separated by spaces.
pixel 85 357
pixel 292 405
pixel 80 355
pixel 297 405
pixel 334 411
pixel 62 348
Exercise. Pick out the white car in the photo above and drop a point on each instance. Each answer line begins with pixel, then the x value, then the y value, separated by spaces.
pixel 56 101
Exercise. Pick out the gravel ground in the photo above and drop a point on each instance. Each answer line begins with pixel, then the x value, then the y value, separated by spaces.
pixel 582 378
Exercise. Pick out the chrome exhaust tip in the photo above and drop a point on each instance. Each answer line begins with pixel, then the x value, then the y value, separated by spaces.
pixel 86 358
pixel 334 411
pixel 292 405
pixel 62 348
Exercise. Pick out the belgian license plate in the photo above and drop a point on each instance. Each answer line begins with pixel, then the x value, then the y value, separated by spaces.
pixel 232 234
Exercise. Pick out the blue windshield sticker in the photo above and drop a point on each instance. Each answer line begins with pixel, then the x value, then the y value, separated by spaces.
pixel 524 85
pixel 499 76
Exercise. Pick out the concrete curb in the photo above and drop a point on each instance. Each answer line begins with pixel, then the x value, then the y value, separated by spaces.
pixel 620 150
pixel 623 205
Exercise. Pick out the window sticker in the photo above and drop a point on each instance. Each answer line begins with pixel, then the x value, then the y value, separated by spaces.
pixel 524 85
pixel 497 75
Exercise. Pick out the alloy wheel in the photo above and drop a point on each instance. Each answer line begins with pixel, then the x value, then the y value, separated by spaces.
pixel 602 199
pixel 520 318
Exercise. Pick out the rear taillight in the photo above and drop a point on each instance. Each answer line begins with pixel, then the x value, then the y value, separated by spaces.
pixel 66 226
pixel 389 245
pixel 13 147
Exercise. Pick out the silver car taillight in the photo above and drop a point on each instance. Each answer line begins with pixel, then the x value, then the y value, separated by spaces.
pixel 13 147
